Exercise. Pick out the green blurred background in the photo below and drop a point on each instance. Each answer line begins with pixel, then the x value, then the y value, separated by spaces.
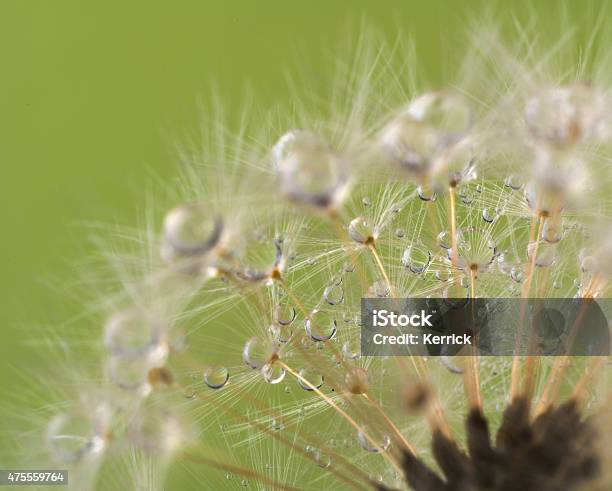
pixel 92 94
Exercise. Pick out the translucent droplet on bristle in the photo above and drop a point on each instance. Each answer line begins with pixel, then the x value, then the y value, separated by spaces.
pixel 216 376
pixel 400 233
pixel 516 273
pixel 565 115
pixel 310 380
pixel 416 259
pixel 366 201
pixel 281 333
pixel 129 373
pixel 466 195
pixel 444 240
pixel 190 230
pixel 284 314
pixel 552 230
pixel 333 294
pixel 155 430
pixel 360 230
pixel 426 194
pixel 78 433
pixel 257 352
pixel 513 182
pixel 371 443
pixel 322 459
pixel 348 267
pixel 131 333
pixel 490 214
pixel 546 253
pixel 442 274
pixel 273 373
pixel 379 289
pixel 321 325
pixel 351 350
pixel 308 170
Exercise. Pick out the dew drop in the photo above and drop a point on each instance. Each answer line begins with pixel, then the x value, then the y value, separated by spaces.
pixel 333 294
pixel 273 373
pixel 366 201
pixel 190 230
pixel 216 376
pixel 309 380
pixel 416 259
pixel 372 446
pixel 360 231
pixel 78 433
pixel 490 214
pixel 320 325
pixel 400 233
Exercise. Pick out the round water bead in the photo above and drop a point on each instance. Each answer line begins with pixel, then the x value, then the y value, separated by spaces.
pixel 322 459
pixel 379 289
pixel 545 253
pixel 516 273
pixel 284 314
pixel 564 115
pixel 321 325
pixel 552 230
pixel 309 380
pixel 308 170
pixel 400 233
pixel 416 258
pixel 78 433
pixel 443 274
pixel 156 430
pixel 216 376
pixel 333 294
pixel 132 333
pixel 351 349
pixel 425 193
pixel 129 373
pixel 281 333
pixel 513 182
pixel 360 231
pixel 432 122
pixel 453 166
pixel 449 365
pixel 273 373
pixel 489 214
pixel 190 230
pixel 373 443
pixel 366 201
pixel 257 352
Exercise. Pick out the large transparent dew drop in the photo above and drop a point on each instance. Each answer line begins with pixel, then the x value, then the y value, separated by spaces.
pixel 190 230
pixel 156 430
pixel 309 380
pixel 373 444
pixel 308 170
pixel 216 376
pixel 78 433
pixel 321 325
pixel 257 352
pixel 545 253
pixel 351 349
pixel 284 314
pixel 552 230
pixel 273 373
pixel 416 258
pixel 360 231
pixel 281 333
pixel 129 373
pixel 131 333
pixel 333 294
pixel 566 115
pixel 379 289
